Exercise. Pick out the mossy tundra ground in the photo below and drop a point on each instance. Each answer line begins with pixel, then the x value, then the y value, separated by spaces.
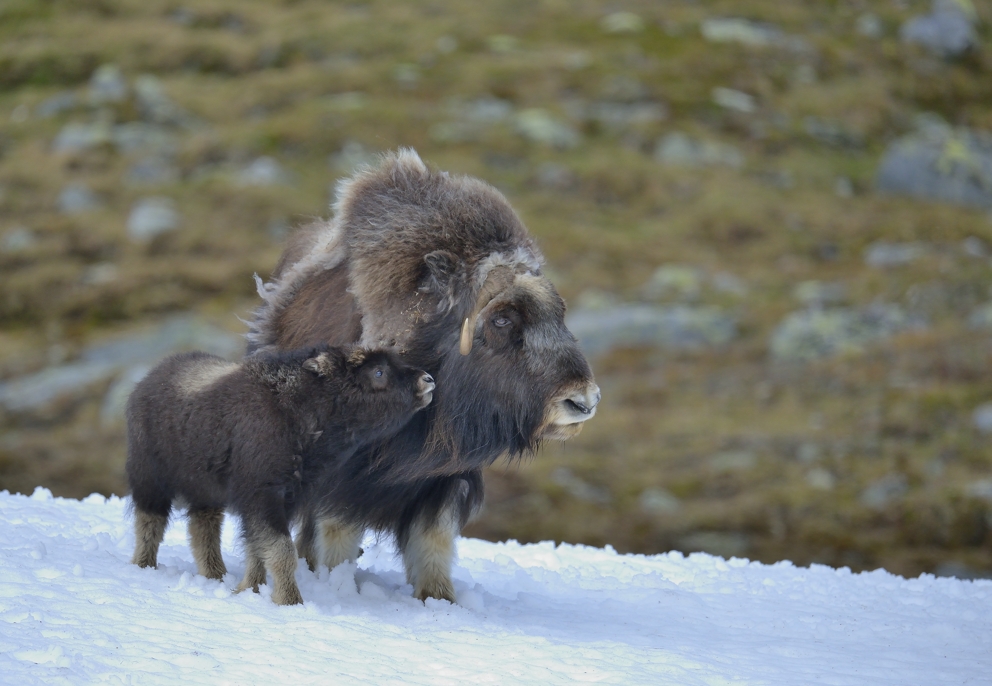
pixel 662 159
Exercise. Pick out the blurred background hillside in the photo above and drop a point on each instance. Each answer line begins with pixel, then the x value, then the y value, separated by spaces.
pixel 772 222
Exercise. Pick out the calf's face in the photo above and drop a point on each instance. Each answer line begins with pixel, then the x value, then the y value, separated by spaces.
pixel 379 377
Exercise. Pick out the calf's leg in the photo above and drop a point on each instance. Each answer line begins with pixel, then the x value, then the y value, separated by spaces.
pixel 204 539
pixel 149 530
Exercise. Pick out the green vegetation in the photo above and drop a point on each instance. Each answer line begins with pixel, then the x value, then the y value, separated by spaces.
pixel 866 456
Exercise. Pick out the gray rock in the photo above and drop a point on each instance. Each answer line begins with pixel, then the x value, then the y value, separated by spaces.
pixel 723 544
pixel 981 317
pixel 351 156
pixel 731 30
pixel 821 479
pixel 540 126
pixel 120 357
pixel 870 26
pixel 832 133
pixel 884 254
pixel 349 101
pixel 17 239
pixel 137 136
pixel 579 489
pixel 76 198
pixel 115 400
pixel 940 163
pixel 973 246
pixel 264 171
pixel 733 461
pixel 107 85
pixel 808 453
pixel 79 137
pixel 100 273
pixel 470 120
pixel 676 327
pixel 679 150
pixel 45 387
pixel 981 418
pixel 947 31
pixel 151 171
pixel 485 110
pixel 151 217
pixel 658 501
pixel 57 104
pixel 725 282
pixel 555 176
pixel 959 570
pixel 155 106
pixel 881 493
pixel 731 99
pixel 622 22
pixel 617 117
pixel 981 489
pixel 819 293
pixel 812 334
pixel 176 334
pixel 679 281
pixel 407 75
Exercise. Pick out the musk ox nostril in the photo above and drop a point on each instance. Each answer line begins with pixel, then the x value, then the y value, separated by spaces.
pixel 427 379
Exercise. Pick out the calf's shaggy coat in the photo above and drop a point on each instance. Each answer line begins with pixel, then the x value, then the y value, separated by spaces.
pixel 253 437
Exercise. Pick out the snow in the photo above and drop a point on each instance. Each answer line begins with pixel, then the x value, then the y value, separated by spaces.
pixel 73 610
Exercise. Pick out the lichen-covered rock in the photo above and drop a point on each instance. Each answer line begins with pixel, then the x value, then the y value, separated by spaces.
pixel 677 327
pixel 948 31
pixel 811 334
pixel 151 217
pixel 540 126
pixel 679 150
pixel 940 163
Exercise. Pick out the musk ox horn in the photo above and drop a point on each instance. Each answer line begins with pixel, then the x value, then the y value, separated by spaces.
pixel 498 280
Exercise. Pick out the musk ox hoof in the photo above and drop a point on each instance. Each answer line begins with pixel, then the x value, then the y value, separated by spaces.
pixel 289 596
pixel 440 589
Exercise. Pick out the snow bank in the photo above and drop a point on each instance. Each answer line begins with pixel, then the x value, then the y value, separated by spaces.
pixel 73 610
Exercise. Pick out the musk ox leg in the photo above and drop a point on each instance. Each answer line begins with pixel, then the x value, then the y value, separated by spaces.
pixel 338 541
pixel 328 541
pixel 149 530
pixel 306 541
pixel 254 572
pixel 204 539
pixel 275 552
pixel 428 551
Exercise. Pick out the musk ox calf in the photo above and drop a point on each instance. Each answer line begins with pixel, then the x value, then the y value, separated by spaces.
pixel 253 436
pixel 440 269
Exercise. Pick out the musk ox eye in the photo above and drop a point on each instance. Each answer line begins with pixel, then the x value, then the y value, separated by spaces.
pixel 378 373
pixel 501 321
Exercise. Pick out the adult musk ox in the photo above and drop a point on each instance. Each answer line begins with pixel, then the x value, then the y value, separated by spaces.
pixel 441 269
pixel 257 438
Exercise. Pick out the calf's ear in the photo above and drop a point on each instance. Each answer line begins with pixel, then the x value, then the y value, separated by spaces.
pixel 318 365
pixel 357 357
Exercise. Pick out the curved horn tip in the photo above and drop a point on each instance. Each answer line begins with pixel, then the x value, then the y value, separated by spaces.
pixel 465 345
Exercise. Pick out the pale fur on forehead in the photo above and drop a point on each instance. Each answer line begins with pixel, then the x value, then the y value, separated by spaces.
pixel 528 258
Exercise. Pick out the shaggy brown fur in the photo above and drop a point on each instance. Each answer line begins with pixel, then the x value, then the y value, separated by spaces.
pixel 254 437
pixel 441 269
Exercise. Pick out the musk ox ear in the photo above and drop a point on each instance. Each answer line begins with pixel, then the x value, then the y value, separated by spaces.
pixel 442 274
pixel 318 365
pixel 357 357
